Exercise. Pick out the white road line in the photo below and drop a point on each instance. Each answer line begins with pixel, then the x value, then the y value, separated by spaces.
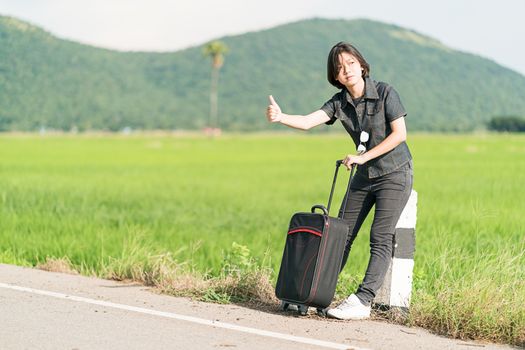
pixel 202 321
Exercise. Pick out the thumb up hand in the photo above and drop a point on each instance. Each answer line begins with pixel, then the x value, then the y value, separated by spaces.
pixel 273 112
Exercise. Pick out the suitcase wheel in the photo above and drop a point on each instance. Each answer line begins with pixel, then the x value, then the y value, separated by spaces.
pixel 302 310
pixel 284 305
pixel 322 312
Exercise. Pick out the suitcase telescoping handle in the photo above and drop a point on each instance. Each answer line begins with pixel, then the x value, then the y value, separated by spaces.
pixel 327 209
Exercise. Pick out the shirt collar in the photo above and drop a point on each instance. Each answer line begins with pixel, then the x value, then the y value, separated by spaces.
pixel 370 92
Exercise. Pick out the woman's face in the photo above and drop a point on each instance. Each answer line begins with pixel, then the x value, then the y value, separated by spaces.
pixel 350 70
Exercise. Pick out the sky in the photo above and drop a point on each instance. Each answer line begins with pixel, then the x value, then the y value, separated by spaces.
pixel 492 29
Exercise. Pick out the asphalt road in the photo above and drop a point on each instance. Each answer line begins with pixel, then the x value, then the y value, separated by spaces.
pixel 46 310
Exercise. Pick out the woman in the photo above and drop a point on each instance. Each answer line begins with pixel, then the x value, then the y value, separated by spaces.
pixel 372 113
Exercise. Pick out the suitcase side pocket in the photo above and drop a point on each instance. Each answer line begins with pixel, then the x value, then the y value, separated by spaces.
pixel 300 255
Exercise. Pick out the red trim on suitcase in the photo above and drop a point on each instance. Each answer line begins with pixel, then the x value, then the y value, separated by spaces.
pixel 301 229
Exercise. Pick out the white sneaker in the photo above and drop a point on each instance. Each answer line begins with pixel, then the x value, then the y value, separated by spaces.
pixel 350 309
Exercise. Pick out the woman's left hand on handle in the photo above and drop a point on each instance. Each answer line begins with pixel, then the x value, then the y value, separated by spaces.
pixel 354 159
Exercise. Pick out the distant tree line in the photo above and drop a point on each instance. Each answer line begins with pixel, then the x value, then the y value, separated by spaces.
pixel 507 123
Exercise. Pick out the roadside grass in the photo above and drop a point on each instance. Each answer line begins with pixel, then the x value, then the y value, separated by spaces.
pixel 206 218
pixel 484 300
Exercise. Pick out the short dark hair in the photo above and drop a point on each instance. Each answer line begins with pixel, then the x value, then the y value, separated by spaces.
pixel 333 62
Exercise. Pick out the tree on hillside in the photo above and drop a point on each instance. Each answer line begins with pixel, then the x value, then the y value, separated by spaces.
pixel 215 50
pixel 507 123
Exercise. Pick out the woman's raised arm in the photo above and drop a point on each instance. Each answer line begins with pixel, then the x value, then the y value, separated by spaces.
pixel 302 122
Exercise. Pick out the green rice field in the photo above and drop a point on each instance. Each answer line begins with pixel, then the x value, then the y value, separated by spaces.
pixel 95 200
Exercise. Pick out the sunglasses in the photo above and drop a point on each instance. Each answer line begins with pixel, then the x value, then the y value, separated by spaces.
pixel 363 138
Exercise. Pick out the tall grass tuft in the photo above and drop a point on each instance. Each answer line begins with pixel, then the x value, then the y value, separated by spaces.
pixel 62 265
pixel 482 300
pixel 242 278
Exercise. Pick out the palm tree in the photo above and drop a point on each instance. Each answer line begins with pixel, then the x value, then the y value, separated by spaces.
pixel 215 50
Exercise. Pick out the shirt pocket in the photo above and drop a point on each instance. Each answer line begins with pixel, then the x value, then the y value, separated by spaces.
pixel 376 117
pixel 373 109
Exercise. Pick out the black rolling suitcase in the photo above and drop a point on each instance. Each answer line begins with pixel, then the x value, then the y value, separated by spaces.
pixel 312 257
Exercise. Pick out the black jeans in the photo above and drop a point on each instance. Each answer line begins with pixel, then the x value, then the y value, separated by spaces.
pixel 390 194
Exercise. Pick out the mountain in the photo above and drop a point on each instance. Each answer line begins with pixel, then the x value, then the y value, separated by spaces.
pixel 49 82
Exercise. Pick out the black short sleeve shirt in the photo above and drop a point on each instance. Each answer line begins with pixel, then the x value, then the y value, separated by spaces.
pixel 379 106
